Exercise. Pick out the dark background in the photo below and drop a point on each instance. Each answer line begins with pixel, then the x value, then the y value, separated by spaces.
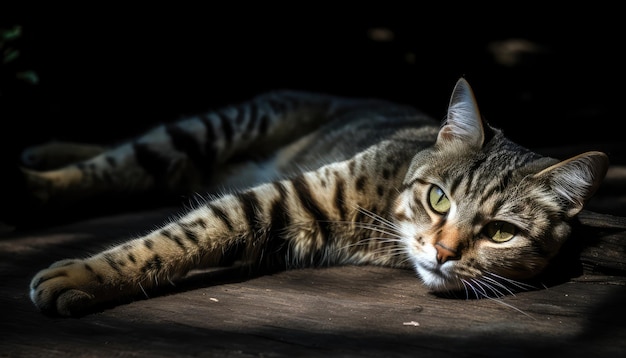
pixel 106 73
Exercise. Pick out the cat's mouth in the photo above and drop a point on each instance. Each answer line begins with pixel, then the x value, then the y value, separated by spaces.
pixel 434 275
pixel 437 277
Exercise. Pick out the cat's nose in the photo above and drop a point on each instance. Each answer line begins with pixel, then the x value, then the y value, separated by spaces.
pixel 444 253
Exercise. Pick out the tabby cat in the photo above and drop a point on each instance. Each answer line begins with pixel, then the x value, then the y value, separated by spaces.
pixel 302 179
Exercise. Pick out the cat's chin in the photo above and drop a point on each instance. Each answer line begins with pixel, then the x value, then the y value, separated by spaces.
pixel 437 280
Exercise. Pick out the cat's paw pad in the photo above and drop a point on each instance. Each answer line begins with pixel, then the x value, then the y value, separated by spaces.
pixel 63 288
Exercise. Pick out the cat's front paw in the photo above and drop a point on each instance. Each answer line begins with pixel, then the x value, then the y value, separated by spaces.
pixel 65 288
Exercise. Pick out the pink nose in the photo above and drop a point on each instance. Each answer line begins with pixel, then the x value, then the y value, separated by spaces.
pixel 444 254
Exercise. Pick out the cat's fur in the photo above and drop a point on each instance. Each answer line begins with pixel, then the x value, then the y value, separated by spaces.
pixel 306 179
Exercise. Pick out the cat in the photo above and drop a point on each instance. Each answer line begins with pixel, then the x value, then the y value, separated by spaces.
pixel 301 179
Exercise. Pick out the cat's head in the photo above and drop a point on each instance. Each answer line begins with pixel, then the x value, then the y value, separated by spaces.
pixel 477 209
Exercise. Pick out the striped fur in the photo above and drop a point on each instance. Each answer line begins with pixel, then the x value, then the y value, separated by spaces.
pixel 307 180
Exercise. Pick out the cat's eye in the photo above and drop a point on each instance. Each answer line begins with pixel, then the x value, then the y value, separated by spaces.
pixel 500 231
pixel 438 200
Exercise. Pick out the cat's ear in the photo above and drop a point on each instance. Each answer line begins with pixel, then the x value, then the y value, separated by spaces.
pixel 463 121
pixel 575 180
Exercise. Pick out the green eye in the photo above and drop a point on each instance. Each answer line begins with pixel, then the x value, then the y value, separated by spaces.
pixel 500 231
pixel 438 200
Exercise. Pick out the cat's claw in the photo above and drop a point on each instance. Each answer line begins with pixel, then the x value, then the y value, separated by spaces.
pixel 63 288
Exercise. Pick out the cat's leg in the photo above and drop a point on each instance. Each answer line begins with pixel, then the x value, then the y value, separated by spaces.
pixel 204 237
pixel 305 220
pixel 56 154
pixel 179 157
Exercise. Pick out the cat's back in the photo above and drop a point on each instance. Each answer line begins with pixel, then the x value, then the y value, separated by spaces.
pixel 323 128
pixel 356 124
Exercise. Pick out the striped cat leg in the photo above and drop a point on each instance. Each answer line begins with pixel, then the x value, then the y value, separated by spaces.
pixel 179 157
pixel 307 220
pixel 205 237
pixel 201 238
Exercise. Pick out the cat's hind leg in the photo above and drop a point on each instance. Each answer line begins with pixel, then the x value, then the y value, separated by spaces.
pixel 56 154
pixel 172 160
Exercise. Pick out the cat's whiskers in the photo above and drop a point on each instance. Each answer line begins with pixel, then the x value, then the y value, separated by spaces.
pixel 482 293
pixel 369 240
pixel 481 287
pixel 492 285
pixel 381 229
pixel 520 285
pixel 499 284
pixel 375 216
pixel 380 249
pixel 466 284
pixel 386 249
pixel 391 233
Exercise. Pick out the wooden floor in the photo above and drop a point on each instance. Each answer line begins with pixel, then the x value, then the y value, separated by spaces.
pixel 341 311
